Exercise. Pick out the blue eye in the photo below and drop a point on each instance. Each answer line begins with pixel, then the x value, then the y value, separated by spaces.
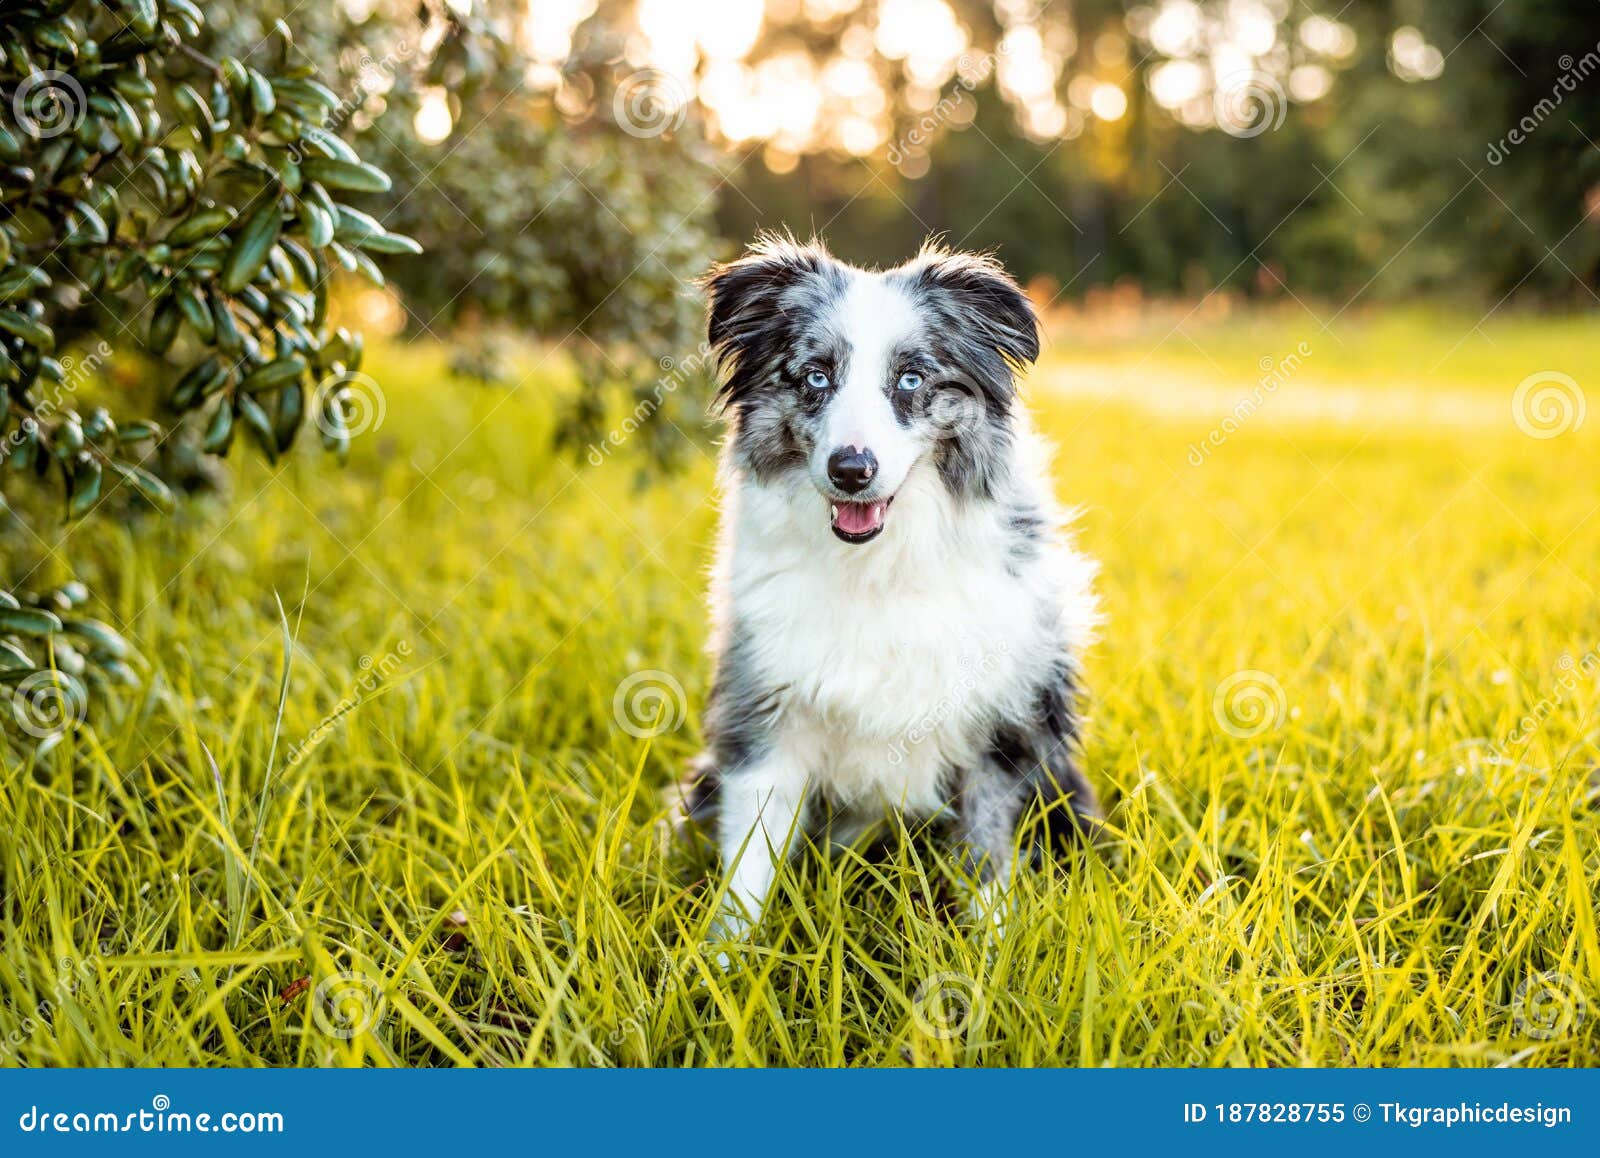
pixel 910 380
pixel 817 380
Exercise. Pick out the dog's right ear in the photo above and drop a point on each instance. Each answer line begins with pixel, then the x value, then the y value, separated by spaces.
pixel 747 320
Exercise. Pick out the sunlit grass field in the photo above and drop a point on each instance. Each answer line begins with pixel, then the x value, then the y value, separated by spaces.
pixel 1334 838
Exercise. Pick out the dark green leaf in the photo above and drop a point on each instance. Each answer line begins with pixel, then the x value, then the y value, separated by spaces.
pixel 146 484
pixel 85 487
pixel 259 426
pixel 356 176
pixel 273 375
pixel 219 431
pixel 196 314
pixel 164 321
pixel 251 245
pixel 28 621
pixel 390 243
pixel 36 334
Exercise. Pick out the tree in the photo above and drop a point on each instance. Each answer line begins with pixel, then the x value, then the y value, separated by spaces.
pixel 187 208
pixel 555 197
pixel 1337 148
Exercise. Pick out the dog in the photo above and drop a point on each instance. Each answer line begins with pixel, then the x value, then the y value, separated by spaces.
pixel 897 612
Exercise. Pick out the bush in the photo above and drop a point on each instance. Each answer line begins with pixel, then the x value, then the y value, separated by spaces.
pixel 568 200
pixel 185 209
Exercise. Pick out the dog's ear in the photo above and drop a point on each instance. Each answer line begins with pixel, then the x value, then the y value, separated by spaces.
pixel 746 317
pixel 975 292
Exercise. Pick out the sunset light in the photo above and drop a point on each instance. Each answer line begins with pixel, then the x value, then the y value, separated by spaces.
pixel 844 76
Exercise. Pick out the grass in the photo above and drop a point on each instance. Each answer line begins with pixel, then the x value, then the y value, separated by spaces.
pixel 1333 842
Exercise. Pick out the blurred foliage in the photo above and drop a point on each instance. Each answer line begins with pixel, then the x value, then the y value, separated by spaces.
pixel 1530 220
pixel 550 218
pixel 1384 186
pixel 187 210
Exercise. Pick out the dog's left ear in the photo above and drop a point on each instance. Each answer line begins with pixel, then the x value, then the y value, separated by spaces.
pixel 746 315
pixel 982 297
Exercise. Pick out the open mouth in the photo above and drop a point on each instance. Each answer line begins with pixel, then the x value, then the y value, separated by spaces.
pixel 859 522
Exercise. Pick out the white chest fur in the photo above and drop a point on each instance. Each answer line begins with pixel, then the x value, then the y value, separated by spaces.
pixel 894 658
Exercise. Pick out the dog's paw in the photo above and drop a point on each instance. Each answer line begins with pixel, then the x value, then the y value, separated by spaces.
pixel 989 909
pixel 728 935
pixel 729 925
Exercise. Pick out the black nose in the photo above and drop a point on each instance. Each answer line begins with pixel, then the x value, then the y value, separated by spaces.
pixel 851 470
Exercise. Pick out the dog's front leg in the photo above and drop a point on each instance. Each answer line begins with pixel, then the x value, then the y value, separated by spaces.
pixel 990 803
pixel 762 809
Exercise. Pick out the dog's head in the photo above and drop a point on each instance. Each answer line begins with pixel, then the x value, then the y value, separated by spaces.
pixel 855 376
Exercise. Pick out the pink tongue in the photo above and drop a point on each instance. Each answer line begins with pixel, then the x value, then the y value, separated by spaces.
pixel 858 518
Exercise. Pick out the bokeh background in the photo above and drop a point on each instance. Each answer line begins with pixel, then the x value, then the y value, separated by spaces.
pixel 571 167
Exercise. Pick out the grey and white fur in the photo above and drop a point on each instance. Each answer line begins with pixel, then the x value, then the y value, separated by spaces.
pixel 897 611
